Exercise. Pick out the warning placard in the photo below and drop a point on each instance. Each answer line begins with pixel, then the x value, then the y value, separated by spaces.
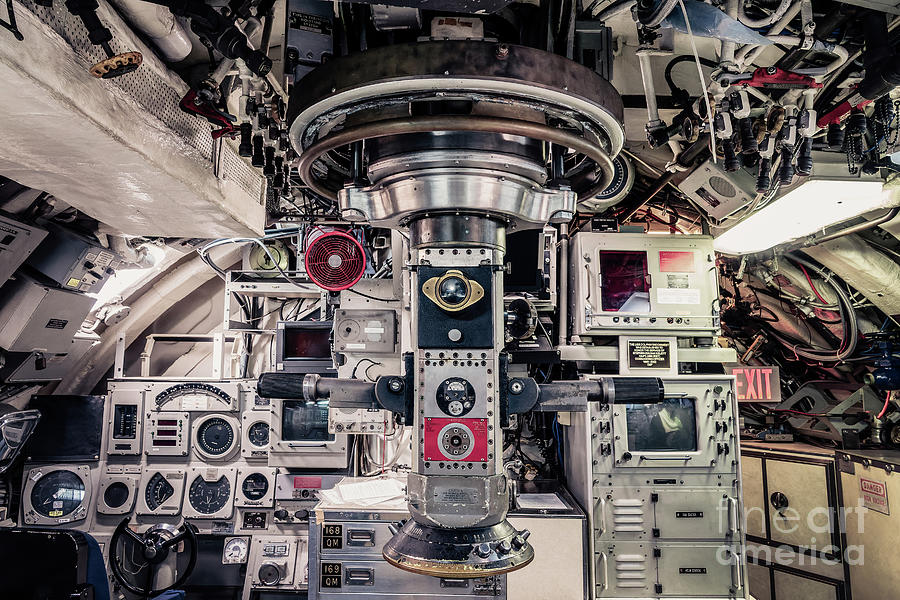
pixel 874 495
pixel 649 354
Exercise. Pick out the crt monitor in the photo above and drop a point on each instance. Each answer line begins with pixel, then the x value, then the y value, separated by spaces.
pixel 304 347
pixel 667 426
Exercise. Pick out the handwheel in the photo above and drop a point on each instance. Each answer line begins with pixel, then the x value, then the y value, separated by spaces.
pixel 154 547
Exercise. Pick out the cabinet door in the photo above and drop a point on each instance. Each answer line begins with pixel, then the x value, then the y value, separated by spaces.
pixel 791 587
pixel 759 581
pixel 799 510
pixel 754 495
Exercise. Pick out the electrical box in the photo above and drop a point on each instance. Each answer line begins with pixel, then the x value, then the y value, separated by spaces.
pixel 73 261
pixel 35 316
pixel 717 192
pixel 17 242
pixel 38 366
pixel 310 36
pixel 624 283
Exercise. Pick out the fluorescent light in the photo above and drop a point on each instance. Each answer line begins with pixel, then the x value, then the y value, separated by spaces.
pixel 809 208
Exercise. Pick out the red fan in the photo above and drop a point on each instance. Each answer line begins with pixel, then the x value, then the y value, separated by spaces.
pixel 334 260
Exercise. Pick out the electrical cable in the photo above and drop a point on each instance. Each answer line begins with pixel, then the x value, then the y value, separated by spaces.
pixel 709 113
pixel 812 285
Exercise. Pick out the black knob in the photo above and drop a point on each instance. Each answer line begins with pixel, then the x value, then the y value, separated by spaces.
pixel 626 456
pixel 301 514
pixel 258 160
pixel 804 157
pixel 786 169
pixel 749 145
pixel 269 168
pixel 779 501
pixel 278 180
pixel 246 146
pixel 262 120
pixel 835 136
pixel 732 162
pixel 281 514
pixel 250 107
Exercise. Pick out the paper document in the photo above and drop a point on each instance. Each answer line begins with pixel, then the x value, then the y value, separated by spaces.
pixel 541 501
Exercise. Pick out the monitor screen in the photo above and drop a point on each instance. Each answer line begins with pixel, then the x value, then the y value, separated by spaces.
pixel 624 281
pixel 303 421
pixel 308 342
pixel 667 426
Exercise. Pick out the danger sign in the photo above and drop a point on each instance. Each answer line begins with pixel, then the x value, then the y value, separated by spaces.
pixel 874 495
pixel 756 384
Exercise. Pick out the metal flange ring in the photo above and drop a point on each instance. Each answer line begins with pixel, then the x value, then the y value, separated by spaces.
pixel 427 124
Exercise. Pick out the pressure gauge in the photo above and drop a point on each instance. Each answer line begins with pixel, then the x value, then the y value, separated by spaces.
pixel 236 550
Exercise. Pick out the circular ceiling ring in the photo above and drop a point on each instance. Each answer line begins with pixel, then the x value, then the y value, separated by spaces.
pixel 427 124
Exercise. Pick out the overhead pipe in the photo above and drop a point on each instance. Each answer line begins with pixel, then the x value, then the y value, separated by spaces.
pixel 765 21
pixel 159 24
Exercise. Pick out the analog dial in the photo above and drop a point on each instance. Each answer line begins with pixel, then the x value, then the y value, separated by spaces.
pixel 57 494
pixel 258 434
pixel 208 497
pixel 215 436
pixel 255 486
pixel 157 492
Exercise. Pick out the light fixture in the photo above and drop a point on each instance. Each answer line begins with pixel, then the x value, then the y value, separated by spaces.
pixel 808 208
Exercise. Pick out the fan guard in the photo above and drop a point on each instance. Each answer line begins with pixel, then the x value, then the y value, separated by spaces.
pixel 334 261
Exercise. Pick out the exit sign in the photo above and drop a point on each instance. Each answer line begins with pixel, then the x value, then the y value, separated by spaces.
pixel 756 384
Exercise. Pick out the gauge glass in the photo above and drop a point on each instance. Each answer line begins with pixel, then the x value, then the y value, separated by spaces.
pixel 258 434
pixel 255 486
pixel 215 436
pixel 235 552
pixel 57 494
pixel 157 492
pixel 208 497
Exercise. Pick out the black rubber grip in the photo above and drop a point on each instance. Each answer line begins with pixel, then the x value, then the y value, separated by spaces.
pixel 281 385
pixel 634 390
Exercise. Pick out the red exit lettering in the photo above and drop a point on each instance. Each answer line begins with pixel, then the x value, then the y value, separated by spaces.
pixel 756 384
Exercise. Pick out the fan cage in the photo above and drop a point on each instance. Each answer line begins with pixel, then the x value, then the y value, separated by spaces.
pixel 327 272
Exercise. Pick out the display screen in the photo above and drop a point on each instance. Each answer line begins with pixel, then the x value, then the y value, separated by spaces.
pixel 303 421
pixel 624 281
pixel 667 426
pixel 307 342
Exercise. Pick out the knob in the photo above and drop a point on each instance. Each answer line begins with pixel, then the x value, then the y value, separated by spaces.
pixel 626 456
pixel 504 547
pixel 518 541
pixel 779 501
pixel 246 146
pixel 301 514
pixel 455 335
pixel 281 514
pixel 483 550
pixel 270 573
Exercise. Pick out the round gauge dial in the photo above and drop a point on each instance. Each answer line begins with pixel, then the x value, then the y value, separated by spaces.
pixel 57 494
pixel 236 551
pixel 255 486
pixel 208 497
pixel 455 396
pixel 258 434
pixel 215 436
pixel 116 494
pixel 157 492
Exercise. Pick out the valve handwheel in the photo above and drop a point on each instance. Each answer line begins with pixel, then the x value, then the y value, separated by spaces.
pixel 154 546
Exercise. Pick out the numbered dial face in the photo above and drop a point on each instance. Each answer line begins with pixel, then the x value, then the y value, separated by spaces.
pixel 215 436
pixel 57 494
pixel 208 497
pixel 455 396
pixel 258 434
pixel 255 486
pixel 235 552
pixel 193 393
pixel 158 491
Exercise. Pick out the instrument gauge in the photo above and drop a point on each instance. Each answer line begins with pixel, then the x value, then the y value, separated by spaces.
pixel 258 434
pixel 57 494
pixel 158 490
pixel 215 437
pixel 209 497
pixel 235 551
pixel 255 486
